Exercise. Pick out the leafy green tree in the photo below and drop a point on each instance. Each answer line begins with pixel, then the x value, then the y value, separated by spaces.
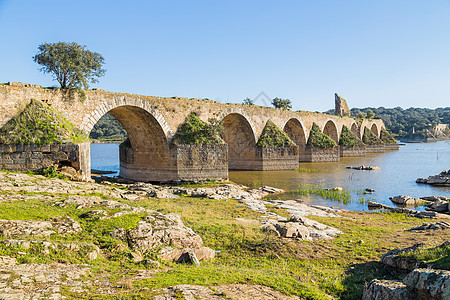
pixel 370 114
pixel 72 65
pixel 282 103
pixel 248 101
pixel 361 115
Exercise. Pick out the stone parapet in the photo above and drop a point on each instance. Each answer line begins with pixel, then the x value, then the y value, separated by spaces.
pixel 36 157
pixel 320 155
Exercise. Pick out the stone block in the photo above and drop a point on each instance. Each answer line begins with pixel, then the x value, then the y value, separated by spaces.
pixel 379 148
pixel 345 151
pixel 320 155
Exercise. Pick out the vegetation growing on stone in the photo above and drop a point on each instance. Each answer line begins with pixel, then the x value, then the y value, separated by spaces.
pixel 39 124
pixel 438 256
pixel 349 139
pixel 317 139
pixel 196 132
pixel 369 138
pixel 386 137
pixel 272 136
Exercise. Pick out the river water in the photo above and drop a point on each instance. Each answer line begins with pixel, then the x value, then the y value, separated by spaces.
pixel 397 174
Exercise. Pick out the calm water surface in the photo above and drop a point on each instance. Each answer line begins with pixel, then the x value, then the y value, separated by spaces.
pixel 397 174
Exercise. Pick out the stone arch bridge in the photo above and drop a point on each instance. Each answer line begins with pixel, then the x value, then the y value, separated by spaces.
pixel 151 123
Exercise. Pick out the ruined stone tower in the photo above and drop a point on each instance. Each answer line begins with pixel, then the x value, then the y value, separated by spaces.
pixel 341 107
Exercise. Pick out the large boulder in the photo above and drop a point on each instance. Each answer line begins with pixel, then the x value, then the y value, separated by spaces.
pixel 420 284
pixel 394 258
pixel 168 230
pixel 406 200
pixel 386 290
pixel 429 284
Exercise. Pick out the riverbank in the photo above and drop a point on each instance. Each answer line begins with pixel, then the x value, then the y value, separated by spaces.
pixel 88 261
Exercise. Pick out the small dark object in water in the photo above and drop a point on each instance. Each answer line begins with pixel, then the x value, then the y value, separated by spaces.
pixel 366 168
pixel 101 172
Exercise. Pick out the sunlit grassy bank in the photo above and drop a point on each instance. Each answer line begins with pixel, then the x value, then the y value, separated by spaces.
pixel 309 269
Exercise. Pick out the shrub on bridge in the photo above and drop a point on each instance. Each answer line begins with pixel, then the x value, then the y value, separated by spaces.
pixel 39 124
pixel 317 139
pixel 196 131
pixel 369 138
pixel 386 137
pixel 349 139
pixel 272 136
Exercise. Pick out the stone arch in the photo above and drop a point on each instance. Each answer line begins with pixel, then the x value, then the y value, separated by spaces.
pixel 330 128
pixel 91 119
pixel 243 113
pixel 146 157
pixel 240 137
pixel 355 130
pixel 374 129
pixel 295 129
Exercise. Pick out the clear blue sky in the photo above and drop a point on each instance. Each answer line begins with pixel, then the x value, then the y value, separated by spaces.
pixel 373 53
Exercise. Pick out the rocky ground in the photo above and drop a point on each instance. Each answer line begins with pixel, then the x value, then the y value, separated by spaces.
pixel 63 239
pixel 442 179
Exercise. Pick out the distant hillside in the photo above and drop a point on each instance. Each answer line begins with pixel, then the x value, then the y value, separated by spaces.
pixel 400 121
pixel 108 129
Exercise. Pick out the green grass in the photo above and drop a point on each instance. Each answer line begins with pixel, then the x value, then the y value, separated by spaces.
pixel 438 256
pixel 309 269
pixel 327 193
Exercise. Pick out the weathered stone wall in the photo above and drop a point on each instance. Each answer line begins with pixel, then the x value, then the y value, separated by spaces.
pixel 340 106
pixel 391 147
pixel 35 157
pixel 276 158
pixel 201 162
pixel 168 112
pixel 320 155
pixel 185 163
pixel 151 123
pixel 380 148
pixel 346 151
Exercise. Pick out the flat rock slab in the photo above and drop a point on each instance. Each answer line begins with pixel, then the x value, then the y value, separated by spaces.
pixel 229 291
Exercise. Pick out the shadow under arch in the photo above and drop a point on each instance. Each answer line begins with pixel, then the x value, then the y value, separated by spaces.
pixel 330 129
pixel 146 156
pixel 241 140
pixel 354 129
pixel 296 132
pixel 374 129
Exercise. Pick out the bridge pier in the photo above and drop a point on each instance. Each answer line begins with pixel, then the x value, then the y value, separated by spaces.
pixel 184 163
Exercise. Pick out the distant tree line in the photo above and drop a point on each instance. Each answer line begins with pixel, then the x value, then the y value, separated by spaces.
pixel 399 121
pixel 108 129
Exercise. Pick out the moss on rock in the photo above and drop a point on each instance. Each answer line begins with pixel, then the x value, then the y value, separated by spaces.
pixel 386 137
pixel 195 131
pixel 317 139
pixel 272 136
pixel 369 138
pixel 39 124
pixel 349 139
